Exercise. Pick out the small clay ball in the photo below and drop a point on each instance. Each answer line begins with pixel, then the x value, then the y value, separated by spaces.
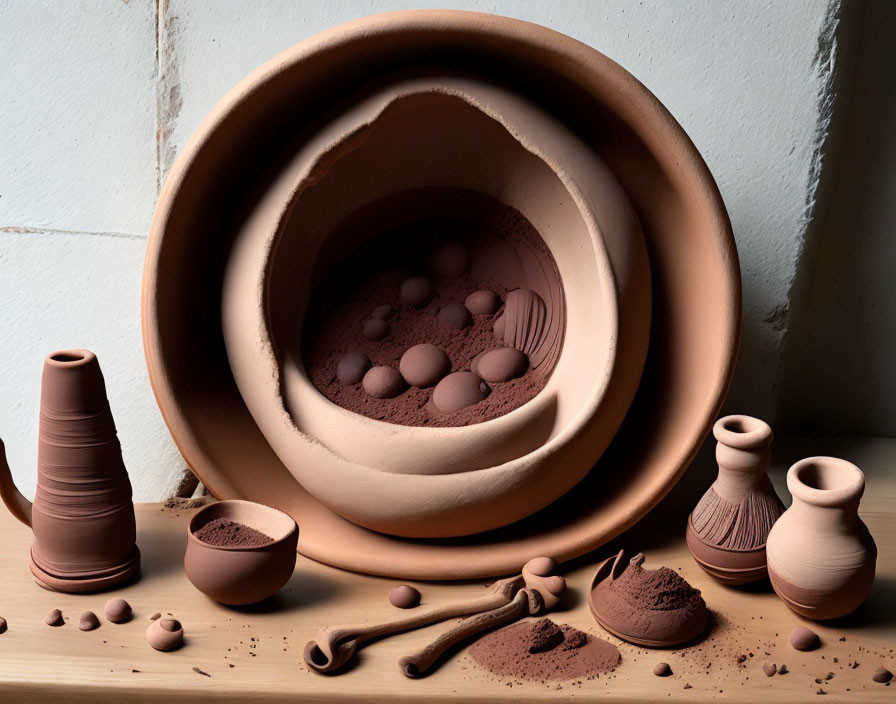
pixel 54 618
pixel 2 625
pixel 383 312
pixel 352 368
pixel 89 621
pixel 803 639
pixel 500 365
pixel 382 382
pixel 165 634
pixel 417 291
pixel 450 260
pixel 662 669
pixel 455 316
pixel 117 611
pixel 404 596
pixel 881 675
pixel 459 390
pixel 376 329
pixel 424 364
pixel 483 302
pixel 770 669
pixel 542 566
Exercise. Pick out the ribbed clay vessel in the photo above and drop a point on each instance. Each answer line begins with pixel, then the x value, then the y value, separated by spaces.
pixel 82 515
pixel 728 529
pixel 821 557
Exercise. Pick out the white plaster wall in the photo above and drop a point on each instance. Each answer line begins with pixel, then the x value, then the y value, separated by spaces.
pixel 99 96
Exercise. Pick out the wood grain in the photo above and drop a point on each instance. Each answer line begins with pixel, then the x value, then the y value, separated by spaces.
pixel 114 663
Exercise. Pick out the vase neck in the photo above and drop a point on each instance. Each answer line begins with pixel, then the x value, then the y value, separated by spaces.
pixel 840 519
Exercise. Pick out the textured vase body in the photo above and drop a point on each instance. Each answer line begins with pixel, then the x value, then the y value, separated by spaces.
pixel 728 528
pixel 82 515
pixel 821 557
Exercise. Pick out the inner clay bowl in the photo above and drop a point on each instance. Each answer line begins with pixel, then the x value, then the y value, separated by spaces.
pixel 237 151
pixel 238 575
pixel 472 141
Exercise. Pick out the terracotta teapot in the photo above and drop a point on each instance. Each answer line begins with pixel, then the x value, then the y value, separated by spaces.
pixel 821 556
pixel 82 515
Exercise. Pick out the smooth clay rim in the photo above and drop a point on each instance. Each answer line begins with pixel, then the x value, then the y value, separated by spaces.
pixel 663 447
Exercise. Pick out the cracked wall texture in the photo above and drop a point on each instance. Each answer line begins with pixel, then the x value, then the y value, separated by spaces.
pixel 100 96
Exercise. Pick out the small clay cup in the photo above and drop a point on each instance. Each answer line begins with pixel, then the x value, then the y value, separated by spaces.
pixel 239 575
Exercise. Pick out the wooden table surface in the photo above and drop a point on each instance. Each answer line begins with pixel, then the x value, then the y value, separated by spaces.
pixel 254 654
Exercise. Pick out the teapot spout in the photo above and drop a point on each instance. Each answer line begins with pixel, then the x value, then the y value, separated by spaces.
pixel 18 505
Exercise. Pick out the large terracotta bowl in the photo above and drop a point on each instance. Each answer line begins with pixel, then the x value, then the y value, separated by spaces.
pixel 462 139
pixel 239 151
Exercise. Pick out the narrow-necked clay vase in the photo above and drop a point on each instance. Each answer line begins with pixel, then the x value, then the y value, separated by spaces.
pixel 242 574
pixel 821 557
pixel 728 528
pixel 82 516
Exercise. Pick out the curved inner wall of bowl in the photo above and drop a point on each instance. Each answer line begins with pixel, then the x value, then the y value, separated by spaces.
pixel 430 138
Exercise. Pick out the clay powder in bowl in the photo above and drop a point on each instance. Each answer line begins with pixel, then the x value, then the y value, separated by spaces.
pixel 240 552
pixel 401 480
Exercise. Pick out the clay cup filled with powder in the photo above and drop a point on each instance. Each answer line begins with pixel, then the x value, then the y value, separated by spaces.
pixel 240 552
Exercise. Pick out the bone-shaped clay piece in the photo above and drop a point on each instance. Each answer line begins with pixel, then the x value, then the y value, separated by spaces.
pixel 542 591
pixel 334 646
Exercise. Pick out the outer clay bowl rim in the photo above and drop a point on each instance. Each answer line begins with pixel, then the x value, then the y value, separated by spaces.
pixel 223 504
pixel 660 443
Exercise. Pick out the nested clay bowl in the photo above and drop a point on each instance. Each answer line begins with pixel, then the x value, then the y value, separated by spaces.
pixel 375 166
pixel 242 147
pixel 238 575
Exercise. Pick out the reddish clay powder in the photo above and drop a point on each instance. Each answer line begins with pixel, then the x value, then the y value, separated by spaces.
pixel 223 532
pixel 371 278
pixel 509 652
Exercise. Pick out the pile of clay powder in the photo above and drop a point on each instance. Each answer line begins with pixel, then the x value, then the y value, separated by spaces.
pixel 543 651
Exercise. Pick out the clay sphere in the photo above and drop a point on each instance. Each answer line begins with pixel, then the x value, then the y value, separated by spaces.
pixel 383 382
pixel 455 316
pixel 352 367
pixel 424 364
pixel 376 329
pixel 88 621
pixel 450 260
pixel 383 312
pixel 459 390
pixel 54 618
pixel 417 291
pixel 483 302
pixel 117 611
pixel 404 596
pixel 239 575
pixel 503 364
pixel 165 633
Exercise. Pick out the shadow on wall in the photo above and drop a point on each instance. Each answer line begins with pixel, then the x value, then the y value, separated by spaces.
pixel 840 372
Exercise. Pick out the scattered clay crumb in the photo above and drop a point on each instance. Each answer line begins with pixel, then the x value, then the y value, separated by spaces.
pixel 662 669
pixel 155 616
pixel 687 686
pixel 54 618
pixel 842 639
pixel 201 672
pixel 821 691
pixel 829 676
pixel 783 670
pixel 134 670
pixel 770 669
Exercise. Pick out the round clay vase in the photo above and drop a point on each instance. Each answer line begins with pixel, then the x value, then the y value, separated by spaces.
pixel 82 515
pixel 728 529
pixel 239 575
pixel 821 557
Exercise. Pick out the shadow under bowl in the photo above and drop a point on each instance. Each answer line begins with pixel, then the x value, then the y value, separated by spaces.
pixel 239 575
